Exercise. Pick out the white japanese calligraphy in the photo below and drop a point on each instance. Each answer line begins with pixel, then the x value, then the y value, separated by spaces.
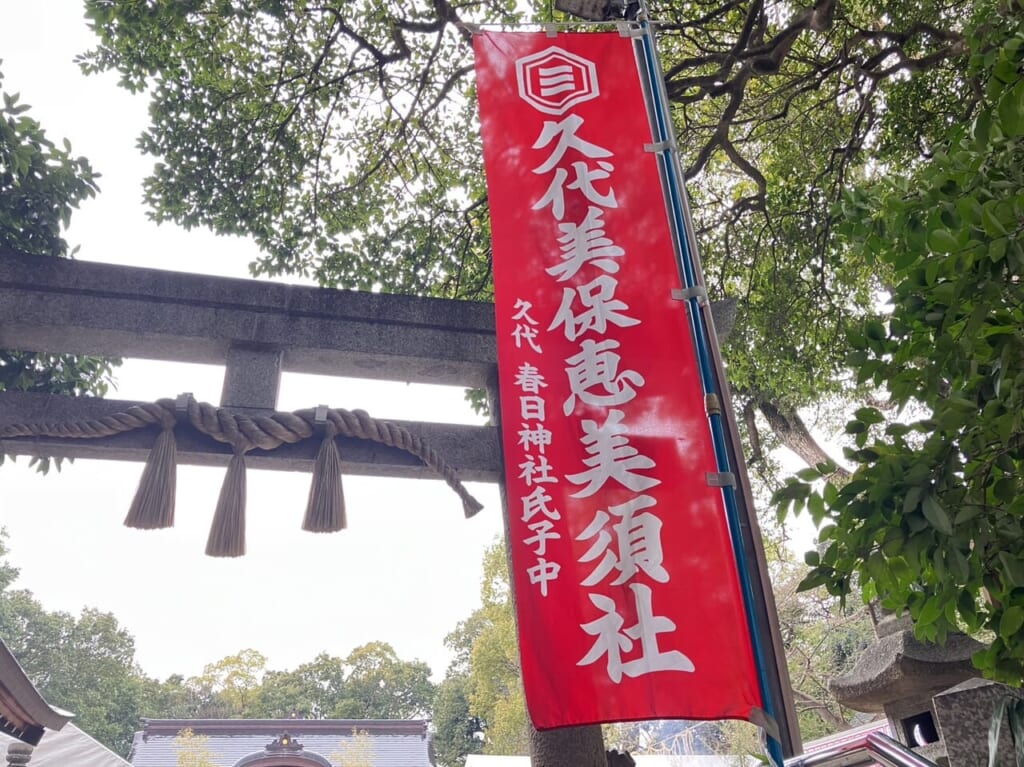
pixel 623 541
pixel 637 543
pixel 597 366
pixel 565 131
pixel 525 329
pixel 600 308
pixel 534 436
pixel 584 181
pixel 585 243
pixel 536 472
pixel 537 503
pixel 611 457
pixel 529 379
pixel 531 408
pixel 542 572
pixel 612 641
pixel 542 534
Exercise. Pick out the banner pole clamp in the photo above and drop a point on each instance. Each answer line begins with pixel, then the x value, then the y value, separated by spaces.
pixel 685 294
pixel 626 29
pixel 721 479
pixel 668 145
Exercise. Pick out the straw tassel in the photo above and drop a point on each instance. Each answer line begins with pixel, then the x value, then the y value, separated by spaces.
pixel 325 511
pixel 471 506
pixel 153 505
pixel 227 533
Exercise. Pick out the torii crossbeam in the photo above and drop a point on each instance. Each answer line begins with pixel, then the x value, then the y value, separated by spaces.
pixel 256 330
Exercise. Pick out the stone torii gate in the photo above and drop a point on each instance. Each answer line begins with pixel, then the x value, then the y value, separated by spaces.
pixel 257 330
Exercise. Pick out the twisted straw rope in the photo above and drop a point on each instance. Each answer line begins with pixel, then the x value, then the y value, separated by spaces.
pixel 244 432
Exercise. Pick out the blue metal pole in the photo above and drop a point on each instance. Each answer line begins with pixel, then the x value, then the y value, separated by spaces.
pixel 701 338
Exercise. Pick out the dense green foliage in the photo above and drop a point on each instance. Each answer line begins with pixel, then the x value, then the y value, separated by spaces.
pixel 487 664
pixel 371 682
pixel 41 184
pixel 457 731
pixel 931 521
pixel 337 135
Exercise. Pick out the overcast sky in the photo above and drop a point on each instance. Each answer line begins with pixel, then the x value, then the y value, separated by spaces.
pixel 407 569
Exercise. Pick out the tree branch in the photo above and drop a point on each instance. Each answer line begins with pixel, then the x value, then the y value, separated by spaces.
pixel 794 434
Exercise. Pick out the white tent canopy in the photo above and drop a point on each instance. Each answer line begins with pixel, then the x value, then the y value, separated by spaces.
pixel 68 746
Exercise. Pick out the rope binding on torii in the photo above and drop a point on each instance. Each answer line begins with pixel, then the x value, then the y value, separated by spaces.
pixel 153 505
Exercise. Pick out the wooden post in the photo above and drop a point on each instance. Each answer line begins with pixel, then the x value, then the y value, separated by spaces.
pixel 576 746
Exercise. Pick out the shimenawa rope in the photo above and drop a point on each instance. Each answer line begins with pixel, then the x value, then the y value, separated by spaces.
pixel 153 506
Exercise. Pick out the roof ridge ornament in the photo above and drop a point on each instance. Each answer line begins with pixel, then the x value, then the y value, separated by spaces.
pixel 284 743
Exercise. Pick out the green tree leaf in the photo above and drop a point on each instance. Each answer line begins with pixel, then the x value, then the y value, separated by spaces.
pixel 941 241
pixel 1011 622
pixel 936 514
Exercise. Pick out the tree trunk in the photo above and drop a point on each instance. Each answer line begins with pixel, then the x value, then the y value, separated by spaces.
pixel 567 747
pixel 794 434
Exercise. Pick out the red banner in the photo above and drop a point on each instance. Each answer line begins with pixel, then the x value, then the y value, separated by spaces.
pixel 629 604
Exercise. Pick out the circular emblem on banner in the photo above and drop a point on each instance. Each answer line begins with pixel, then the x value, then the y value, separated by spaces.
pixel 554 80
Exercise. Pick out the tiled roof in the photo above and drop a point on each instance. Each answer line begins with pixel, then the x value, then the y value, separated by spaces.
pixel 394 743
